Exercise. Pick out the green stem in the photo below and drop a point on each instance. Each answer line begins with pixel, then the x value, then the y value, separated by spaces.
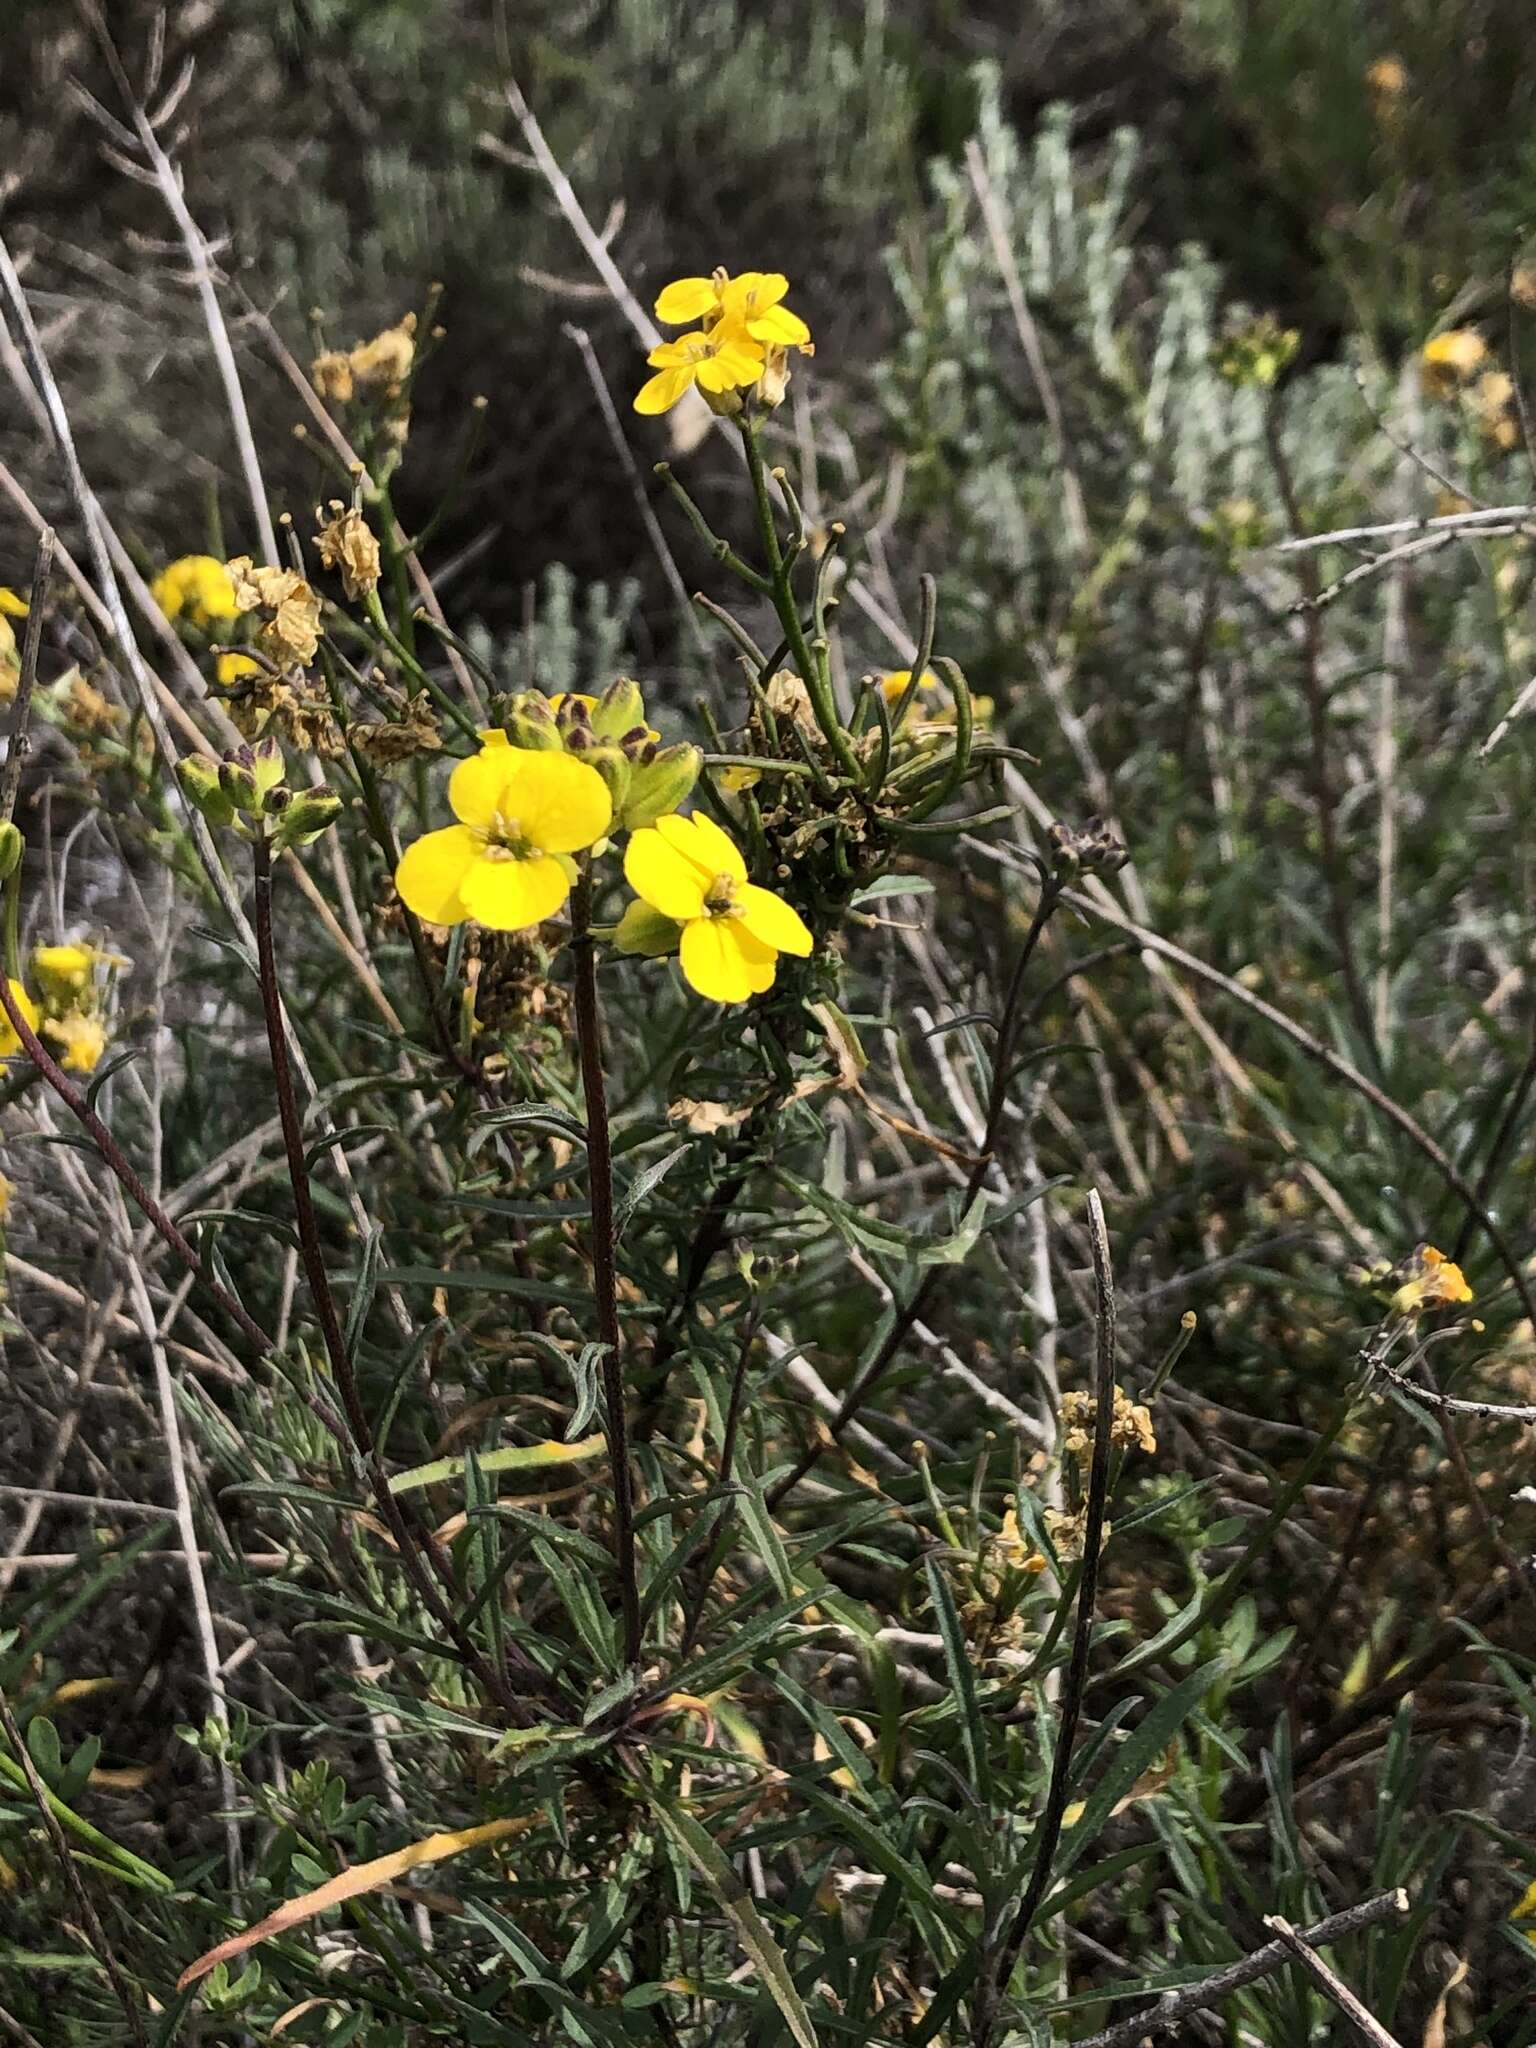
pixel 589 1034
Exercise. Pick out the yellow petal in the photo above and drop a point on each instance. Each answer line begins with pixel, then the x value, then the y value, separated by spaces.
pixel 690 298
pixel 16 606
pixel 561 804
pixel 9 1042
pixel 772 921
pixel 737 359
pixel 713 850
pixel 431 872
pixel 511 895
pixel 723 961
pixel 778 324
pixel 662 876
pixel 476 786
pixel 661 392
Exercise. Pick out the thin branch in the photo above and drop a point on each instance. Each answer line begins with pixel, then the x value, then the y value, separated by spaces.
pixel 1333 1984
pixel 997 1970
pixel 1175 2006
pixel 31 647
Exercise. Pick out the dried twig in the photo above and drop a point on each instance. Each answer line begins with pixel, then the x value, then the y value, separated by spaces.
pixel 1332 1983
pixel 1174 2006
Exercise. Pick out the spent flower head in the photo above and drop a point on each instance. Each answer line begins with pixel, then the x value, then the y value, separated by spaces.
pixel 290 630
pixel 346 542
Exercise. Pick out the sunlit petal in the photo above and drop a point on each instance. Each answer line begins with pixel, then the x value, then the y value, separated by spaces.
pixel 772 921
pixel 713 962
pixel 690 298
pixel 714 850
pixel 432 870
pixel 511 895
pixel 661 874
pixel 476 786
pixel 560 804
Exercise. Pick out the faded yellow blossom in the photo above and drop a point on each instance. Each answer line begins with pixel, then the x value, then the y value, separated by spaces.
pixel 346 543
pixel 7 1189
pixel 1429 1280
pixel 82 1040
pixel 385 362
pixel 331 375
pixel 1069 1532
pixel 291 631
pixel 1130 1429
pixel 1448 358
pixel 1522 285
pixel 85 708
pixel 1387 77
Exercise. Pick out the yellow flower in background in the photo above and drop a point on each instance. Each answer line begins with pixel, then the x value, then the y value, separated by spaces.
pixel 1447 358
pixel 720 362
pixel 688 871
pixel 751 303
pixel 230 667
pixel 82 1041
pixel 518 812
pixel 196 588
pixel 7 1189
pixel 16 607
pixel 1431 1281
pixel 9 1042
pixel 64 971
pixel 931 705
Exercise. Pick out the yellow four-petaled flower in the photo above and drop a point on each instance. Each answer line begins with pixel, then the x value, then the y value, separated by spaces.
pixel 731 931
pixel 743 332
pixel 519 813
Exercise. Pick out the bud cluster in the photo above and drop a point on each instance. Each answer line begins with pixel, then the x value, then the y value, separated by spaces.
pixel 646 780
pixel 1089 849
pixel 249 790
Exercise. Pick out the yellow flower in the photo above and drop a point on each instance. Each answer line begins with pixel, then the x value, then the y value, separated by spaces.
pixel 9 1042
pixel 751 303
pixel 517 810
pixel 1450 356
pixel 732 932
pixel 230 667
pixel 720 362
pixel 197 588
pixel 84 1040
pixel 7 1189
pixel 331 375
pixel 16 606
pixel 1431 1281
pixel 931 707
pixel 63 970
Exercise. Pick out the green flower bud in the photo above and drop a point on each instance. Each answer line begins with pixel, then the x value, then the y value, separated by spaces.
pixel 615 770
pixel 269 768
pixel 657 787
pixel 618 709
pixel 237 780
pixel 201 782
pixel 528 722
pixel 12 846
pixel 305 817
pixel 643 930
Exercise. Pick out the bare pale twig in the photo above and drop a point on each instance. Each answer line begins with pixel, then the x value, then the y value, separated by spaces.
pixel 1175 2006
pixel 997 1967
pixel 1029 340
pixel 1482 1411
pixel 1360 2015
pixel 1514 516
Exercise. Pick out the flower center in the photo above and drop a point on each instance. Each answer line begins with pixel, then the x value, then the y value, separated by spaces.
pixel 721 899
pixel 503 839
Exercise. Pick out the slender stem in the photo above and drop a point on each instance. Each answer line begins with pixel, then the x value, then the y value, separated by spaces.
pixel 95 1933
pixel 31 647
pixel 116 1159
pixel 589 1034
pixel 1002 1061
pixel 996 1973
pixel 812 671
pixel 410 1539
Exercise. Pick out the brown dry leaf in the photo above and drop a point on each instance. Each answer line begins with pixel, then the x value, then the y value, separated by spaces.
pixel 706 1117
pixel 296 2012
pixel 1149 1782
pixel 365 1877
pixel 1434 2026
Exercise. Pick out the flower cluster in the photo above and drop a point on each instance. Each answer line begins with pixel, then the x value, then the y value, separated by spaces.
pixel 741 342
pixel 197 588
pixel 556 779
pixel 75 981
